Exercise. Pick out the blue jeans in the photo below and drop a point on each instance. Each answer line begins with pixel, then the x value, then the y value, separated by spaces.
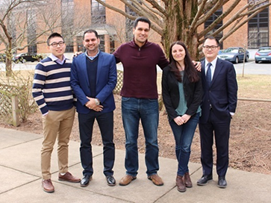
pixel 183 135
pixel 147 110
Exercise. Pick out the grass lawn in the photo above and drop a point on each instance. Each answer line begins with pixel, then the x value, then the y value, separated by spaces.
pixel 254 86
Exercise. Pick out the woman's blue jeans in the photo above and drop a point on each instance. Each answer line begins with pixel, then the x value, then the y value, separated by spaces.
pixel 183 135
pixel 147 111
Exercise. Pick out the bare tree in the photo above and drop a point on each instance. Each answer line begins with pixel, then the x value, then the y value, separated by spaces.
pixel 20 25
pixel 24 23
pixel 181 20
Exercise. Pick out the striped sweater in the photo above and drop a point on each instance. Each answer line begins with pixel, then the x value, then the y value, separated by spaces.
pixel 51 86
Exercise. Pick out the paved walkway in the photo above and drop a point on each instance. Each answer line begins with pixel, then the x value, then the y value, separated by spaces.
pixel 20 180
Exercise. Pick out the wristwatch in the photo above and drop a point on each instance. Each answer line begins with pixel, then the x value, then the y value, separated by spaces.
pixel 96 101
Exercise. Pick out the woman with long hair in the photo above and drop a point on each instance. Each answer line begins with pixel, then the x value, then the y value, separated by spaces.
pixel 182 95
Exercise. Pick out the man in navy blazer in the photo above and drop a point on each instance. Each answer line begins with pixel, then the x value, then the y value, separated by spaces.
pixel 218 106
pixel 93 79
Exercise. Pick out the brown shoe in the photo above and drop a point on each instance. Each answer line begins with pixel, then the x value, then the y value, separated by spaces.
pixel 187 180
pixel 68 177
pixel 156 180
pixel 47 186
pixel 180 184
pixel 126 180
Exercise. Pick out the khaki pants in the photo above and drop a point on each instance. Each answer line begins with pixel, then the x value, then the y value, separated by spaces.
pixel 56 124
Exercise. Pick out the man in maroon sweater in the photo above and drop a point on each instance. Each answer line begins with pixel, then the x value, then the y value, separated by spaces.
pixel 140 99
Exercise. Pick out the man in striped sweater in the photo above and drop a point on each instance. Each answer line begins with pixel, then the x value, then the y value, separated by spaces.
pixel 53 94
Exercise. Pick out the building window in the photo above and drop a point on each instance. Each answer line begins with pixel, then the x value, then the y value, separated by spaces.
pixel 112 44
pixel 101 47
pixel 210 21
pixel 31 31
pixel 80 46
pixel 97 13
pixel 67 17
pixel 258 32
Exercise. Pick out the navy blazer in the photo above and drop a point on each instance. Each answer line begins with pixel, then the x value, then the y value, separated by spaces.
pixel 171 96
pixel 105 82
pixel 221 96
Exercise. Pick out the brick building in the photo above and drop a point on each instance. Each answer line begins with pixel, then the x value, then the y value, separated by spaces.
pixel 114 29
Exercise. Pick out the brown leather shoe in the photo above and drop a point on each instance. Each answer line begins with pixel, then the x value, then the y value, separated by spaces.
pixel 126 180
pixel 68 177
pixel 47 186
pixel 187 180
pixel 156 180
pixel 180 184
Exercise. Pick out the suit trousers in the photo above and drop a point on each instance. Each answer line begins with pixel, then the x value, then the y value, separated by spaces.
pixel 221 131
pixel 56 124
pixel 105 122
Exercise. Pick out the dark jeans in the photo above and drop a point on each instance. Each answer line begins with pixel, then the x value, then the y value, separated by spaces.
pixel 105 122
pixel 183 135
pixel 147 111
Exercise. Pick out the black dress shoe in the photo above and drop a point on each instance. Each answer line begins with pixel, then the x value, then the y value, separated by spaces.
pixel 110 180
pixel 204 179
pixel 222 183
pixel 85 180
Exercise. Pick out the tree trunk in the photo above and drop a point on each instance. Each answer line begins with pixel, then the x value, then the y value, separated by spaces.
pixel 9 58
pixel 8 67
pixel 177 26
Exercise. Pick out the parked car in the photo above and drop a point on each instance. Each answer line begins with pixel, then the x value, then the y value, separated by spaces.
pixel 23 57
pixel 234 54
pixel 263 54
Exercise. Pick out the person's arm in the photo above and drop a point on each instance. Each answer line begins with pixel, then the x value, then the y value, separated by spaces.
pixel 75 83
pixel 197 99
pixel 166 95
pixel 117 55
pixel 232 88
pixel 163 62
pixel 38 86
pixel 112 80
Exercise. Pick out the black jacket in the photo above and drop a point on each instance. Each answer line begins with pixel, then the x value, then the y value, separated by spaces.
pixel 170 92
pixel 222 94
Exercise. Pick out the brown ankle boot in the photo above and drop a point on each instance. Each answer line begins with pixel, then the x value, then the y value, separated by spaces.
pixel 187 180
pixel 180 184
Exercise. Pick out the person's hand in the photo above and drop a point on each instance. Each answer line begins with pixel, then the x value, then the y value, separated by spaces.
pixel 77 53
pixel 185 118
pixel 197 65
pixel 179 120
pixel 98 108
pixel 91 104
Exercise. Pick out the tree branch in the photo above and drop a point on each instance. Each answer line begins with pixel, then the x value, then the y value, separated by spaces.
pixel 221 17
pixel 240 24
pixel 198 14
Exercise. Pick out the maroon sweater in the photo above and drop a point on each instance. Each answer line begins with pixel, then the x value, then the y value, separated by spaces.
pixel 139 69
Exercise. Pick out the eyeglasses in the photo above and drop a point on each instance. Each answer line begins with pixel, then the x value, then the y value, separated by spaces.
pixel 55 44
pixel 210 47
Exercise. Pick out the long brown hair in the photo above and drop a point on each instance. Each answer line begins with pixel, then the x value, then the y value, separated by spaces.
pixel 189 70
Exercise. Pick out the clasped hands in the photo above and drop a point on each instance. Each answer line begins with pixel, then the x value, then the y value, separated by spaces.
pixel 180 120
pixel 91 104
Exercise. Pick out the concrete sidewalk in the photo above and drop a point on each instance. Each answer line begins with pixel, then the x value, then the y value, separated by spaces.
pixel 21 181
